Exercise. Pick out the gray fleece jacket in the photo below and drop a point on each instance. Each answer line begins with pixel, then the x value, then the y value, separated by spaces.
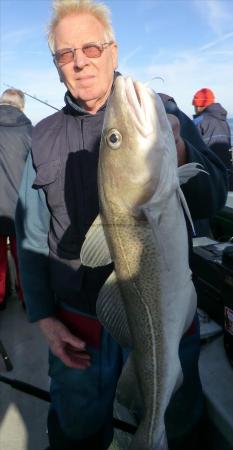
pixel 15 143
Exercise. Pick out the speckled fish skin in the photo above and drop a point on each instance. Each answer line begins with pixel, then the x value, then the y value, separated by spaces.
pixel 146 233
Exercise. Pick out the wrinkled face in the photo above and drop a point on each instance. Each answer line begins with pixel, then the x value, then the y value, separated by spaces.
pixel 89 80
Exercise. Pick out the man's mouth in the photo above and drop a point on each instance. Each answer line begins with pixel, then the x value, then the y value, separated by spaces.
pixel 85 78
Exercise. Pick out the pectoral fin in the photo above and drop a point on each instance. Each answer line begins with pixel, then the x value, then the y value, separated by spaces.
pixel 153 216
pixel 189 170
pixel 95 251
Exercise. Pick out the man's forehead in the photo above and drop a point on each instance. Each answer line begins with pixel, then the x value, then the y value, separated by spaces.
pixel 78 29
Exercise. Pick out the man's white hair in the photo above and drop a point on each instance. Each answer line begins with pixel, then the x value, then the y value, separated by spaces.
pixel 13 97
pixel 62 8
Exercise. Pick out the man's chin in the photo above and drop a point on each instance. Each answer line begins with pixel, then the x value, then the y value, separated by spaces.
pixel 84 95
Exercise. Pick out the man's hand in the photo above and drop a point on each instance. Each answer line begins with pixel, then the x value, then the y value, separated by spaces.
pixel 180 145
pixel 66 346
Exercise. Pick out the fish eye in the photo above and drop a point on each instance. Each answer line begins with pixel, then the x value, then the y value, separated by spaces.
pixel 114 139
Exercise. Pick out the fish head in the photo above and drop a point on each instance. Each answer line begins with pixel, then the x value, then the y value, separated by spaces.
pixel 136 141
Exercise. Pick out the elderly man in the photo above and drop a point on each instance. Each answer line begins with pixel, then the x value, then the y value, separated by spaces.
pixel 58 203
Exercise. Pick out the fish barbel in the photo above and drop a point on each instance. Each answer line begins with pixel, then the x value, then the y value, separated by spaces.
pixel 149 301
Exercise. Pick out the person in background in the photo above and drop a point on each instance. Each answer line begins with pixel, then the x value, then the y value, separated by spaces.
pixel 15 144
pixel 57 205
pixel 211 120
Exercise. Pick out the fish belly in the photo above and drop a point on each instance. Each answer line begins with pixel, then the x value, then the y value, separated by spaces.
pixel 151 264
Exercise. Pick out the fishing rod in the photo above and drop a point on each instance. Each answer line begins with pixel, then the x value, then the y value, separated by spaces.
pixel 45 395
pixel 34 97
pixel 57 109
pixel 26 388
pixel 5 357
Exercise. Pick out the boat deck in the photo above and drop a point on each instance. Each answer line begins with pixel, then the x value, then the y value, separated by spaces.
pixel 22 417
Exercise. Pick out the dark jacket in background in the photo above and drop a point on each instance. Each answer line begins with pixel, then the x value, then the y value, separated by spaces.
pixel 15 143
pixel 190 133
pixel 215 131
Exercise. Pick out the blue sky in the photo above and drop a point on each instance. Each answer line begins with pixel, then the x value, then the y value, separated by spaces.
pixel 189 43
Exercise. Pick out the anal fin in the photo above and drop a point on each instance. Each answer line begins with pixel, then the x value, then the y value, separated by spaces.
pixel 111 312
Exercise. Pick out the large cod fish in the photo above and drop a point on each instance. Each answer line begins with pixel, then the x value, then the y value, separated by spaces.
pixel 149 300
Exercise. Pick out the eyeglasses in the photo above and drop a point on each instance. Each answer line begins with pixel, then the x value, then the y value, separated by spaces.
pixel 91 50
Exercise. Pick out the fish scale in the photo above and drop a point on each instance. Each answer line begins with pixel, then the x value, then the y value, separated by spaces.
pixel 134 250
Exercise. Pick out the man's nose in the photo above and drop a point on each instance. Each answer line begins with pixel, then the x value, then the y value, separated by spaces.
pixel 80 59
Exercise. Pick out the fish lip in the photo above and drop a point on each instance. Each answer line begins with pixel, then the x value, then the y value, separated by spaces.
pixel 134 93
pixel 129 83
pixel 137 90
pixel 134 96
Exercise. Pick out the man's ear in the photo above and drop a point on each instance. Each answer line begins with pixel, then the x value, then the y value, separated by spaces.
pixel 59 71
pixel 114 50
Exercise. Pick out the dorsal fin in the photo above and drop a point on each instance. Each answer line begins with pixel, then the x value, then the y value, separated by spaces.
pixel 188 171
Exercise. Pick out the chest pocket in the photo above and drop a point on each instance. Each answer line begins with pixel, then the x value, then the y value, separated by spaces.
pixel 49 179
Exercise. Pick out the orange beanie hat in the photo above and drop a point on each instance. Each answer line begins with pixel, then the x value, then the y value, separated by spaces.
pixel 204 97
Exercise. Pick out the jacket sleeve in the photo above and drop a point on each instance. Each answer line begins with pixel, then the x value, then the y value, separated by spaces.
pixel 198 122
pixel 32 226
pixel 205 193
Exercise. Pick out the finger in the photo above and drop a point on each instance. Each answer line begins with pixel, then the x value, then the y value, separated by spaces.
pixel 74 362
pixel 75 353
pixel 175 124
pixel 173 119
pixel 74 341
pixel 78 361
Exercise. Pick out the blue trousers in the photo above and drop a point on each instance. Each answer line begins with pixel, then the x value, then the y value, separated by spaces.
pixel 81 410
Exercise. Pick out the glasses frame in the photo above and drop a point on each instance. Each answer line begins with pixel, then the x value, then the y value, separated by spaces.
pixel 100 45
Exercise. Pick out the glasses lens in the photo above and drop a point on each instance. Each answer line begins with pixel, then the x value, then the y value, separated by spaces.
pixel 64 57
pixel 92 51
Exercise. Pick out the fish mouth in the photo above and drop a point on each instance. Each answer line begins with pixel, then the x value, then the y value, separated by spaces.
pixel 133 95
pixel 133 86
pixel 138 99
